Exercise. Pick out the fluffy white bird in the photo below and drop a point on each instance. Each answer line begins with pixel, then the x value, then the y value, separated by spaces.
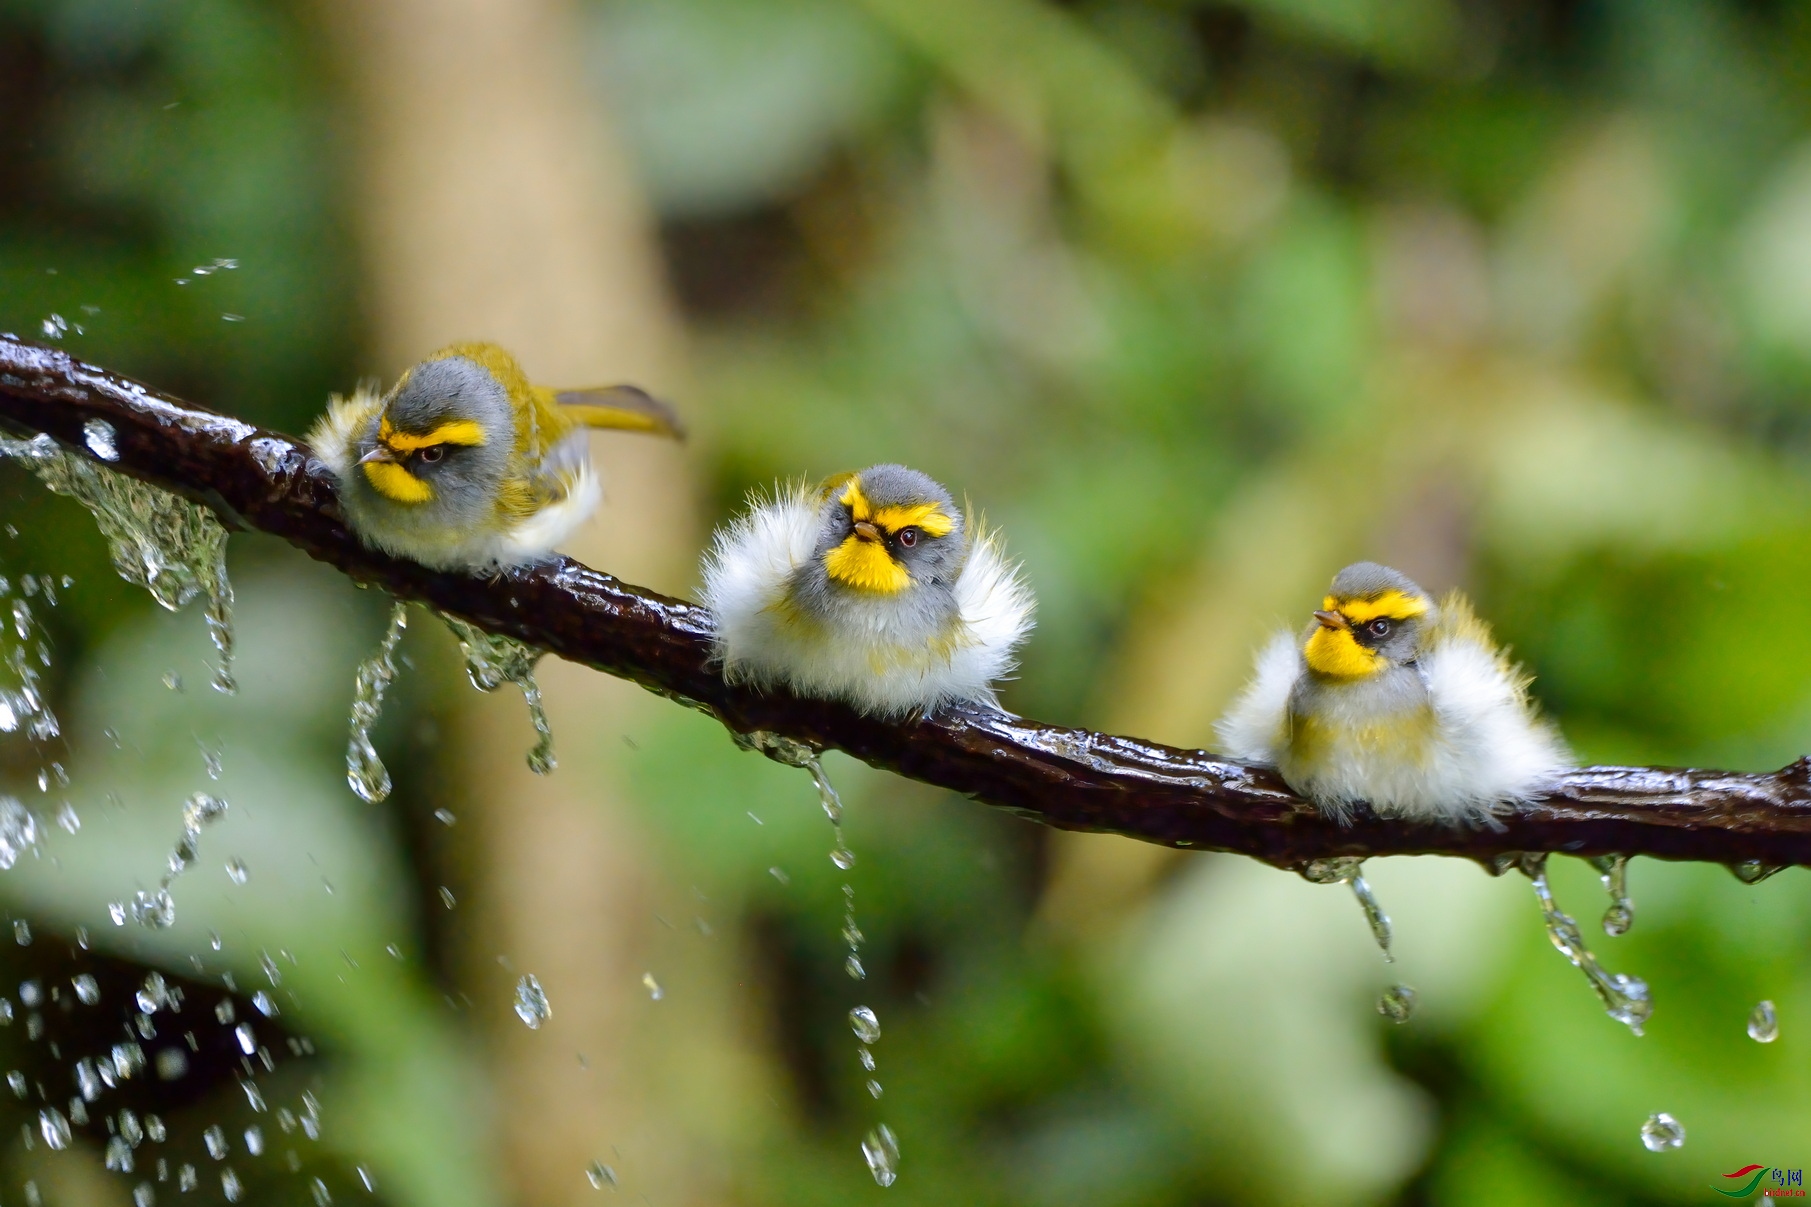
pixel 1390 699
pixel 870 589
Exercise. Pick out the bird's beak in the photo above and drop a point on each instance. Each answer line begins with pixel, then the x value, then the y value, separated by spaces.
pixel 866 531
pixel 380 453
pixel 1332 620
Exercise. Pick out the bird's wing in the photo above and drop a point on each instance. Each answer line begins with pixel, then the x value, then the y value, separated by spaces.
pixel 624 408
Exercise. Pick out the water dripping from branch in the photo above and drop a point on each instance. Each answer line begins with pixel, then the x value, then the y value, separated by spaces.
pixel 490 662
pixel 1625 998
pixel 365 771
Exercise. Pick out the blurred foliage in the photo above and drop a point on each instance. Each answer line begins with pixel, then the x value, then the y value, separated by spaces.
pixel 1196 301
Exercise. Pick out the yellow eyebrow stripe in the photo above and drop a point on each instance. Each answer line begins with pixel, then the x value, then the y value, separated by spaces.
pixel 1392 603
pixel 928 516
pixel 459 431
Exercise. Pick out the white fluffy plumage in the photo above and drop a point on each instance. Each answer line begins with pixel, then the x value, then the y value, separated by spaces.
pixel 1456 742
pixel 871 652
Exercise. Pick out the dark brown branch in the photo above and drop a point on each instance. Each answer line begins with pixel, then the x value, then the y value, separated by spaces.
pixel 1070 778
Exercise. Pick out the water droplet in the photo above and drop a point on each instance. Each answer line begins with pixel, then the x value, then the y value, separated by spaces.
pixel 229 1185
pixel 322 1196
pixel 16 1080
pixel 129 1128
pixel 235 871
pixel 55 1127
pixel 881 1151
pixel 117 911
pixel 444 817
pixel 780 875
pixel 600 1175
pixel 154 994
pixel 154 911
pixel 98 435
pixel 18 831
pixel 1753 871
pixel 1661 1132
pixel 22 932
pixel 1625 998
pixel 172 1064
pixel 446 897
pixel 119 1155
pixel 154 1128
pixel 254 1141
pixel 68 818
pixel 87 989
pixel 264 1004
pixel 201 810
pixel 653 986
pixel 1763 1023
pixel 874 1089
pixel 490 662
pixel 214 939
pixel 54 327
pixel 1614 872
pixel 531 1002
pixel 215 1140
pixel 211 762
pixel 1397 1003
pixel 365 772
pixel 172 680
pixel 843 858
pixel 248 1042
pixel 269 967
pixel 865 1025
pixel 853 966
pixel 144 1195
pixel 87 1079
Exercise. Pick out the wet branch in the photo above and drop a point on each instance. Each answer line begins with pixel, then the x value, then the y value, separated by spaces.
pixel 1070 778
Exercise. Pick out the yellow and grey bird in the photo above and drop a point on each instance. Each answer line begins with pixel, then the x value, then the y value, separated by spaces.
pixel 465 464
pixel 1392 699
pixel 870 589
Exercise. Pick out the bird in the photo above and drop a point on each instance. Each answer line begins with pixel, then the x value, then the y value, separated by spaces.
pixel 871 589
pixel 465 464
pixel 1391 699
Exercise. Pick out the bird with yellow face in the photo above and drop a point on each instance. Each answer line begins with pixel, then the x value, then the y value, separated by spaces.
pixel 465 464
pixel 869 589
pixel 1391 699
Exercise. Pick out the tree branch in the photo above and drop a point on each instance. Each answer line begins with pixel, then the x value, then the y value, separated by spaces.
pixel 1069 778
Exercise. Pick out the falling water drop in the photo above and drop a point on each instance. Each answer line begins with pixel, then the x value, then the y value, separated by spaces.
pixel 652 986
pixel 1397 1003
pixel 55 1127
pixel 365 772
pixel 215 1140
pixel 154 911
pixel 866 1026
pixel 87 989
pixel 18 831
pixel 21 932
pixel 1763 1023
pixel 236 871
pixel 600 1175
pixel 1662 1132
pixel 881 1151
pixel 531 1002
pixel 1625 998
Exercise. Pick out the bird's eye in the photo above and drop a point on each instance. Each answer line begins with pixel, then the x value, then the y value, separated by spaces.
pixel 908 537
pixel 433 453
pixel 1379 628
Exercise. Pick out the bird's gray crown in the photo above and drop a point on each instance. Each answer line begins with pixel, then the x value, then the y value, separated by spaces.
pixel 1368 580
pixel 901 486
pixel 449 388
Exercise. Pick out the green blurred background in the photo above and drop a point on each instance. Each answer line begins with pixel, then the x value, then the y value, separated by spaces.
pixel 1198 302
